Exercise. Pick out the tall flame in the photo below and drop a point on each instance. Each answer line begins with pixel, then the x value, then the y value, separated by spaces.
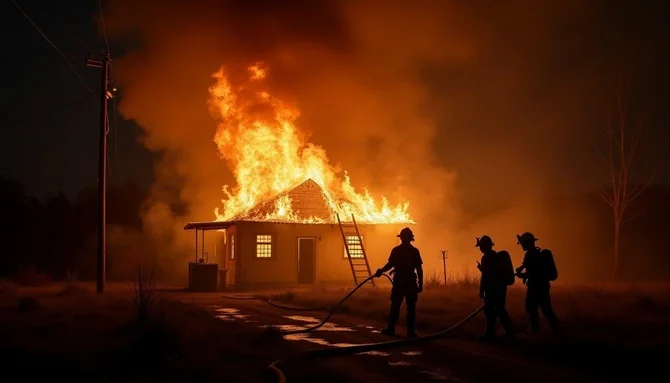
pixel 257 135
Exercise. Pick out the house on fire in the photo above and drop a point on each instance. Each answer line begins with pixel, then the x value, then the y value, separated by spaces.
pixel 260 252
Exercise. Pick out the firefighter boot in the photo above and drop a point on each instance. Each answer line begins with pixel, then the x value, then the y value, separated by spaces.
pixel 534 323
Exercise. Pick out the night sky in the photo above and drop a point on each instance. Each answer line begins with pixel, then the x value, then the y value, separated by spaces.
pixel 53 150
pixel 59 151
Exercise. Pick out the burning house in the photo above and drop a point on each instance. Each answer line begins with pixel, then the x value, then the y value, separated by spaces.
pixel 291 219
pixel 314 244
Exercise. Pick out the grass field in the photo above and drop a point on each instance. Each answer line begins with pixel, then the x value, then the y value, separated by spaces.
pixel 140 334
pixel 64 331
pixel 603 324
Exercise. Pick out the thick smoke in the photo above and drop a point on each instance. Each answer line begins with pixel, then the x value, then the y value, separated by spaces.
pixel 466 109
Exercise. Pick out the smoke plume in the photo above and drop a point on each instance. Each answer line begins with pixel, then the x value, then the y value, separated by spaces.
pixel 466 109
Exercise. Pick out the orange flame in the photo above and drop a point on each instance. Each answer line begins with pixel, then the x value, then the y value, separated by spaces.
pixel 258 137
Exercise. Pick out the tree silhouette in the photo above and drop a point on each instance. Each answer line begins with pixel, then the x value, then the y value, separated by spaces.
pixel 616 164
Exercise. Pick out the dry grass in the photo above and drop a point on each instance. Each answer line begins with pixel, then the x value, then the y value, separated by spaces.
pixel 145 290
pixel 615 322
pixel 71 285
pixel 45 333
pixel 31 277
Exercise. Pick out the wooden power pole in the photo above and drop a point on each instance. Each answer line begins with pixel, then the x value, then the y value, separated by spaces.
pixel 105 95
pixel 444 266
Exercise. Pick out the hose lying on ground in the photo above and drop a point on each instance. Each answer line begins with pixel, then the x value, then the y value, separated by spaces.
pixel 271 303
pixel 338 351
pixel 323 321
pixel 360 348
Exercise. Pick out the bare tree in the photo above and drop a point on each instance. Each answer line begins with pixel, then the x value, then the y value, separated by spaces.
pixel 616 164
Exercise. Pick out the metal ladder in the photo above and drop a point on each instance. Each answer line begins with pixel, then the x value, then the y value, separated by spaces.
pixel 360 268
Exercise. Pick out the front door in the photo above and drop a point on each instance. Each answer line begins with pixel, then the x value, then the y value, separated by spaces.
pixel 306 260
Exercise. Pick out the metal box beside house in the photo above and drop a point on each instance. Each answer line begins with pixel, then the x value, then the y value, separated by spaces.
pixel 203 277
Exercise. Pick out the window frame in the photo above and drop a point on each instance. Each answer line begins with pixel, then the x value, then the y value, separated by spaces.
pixel 271 243
pixel 233 249
pixel 344 249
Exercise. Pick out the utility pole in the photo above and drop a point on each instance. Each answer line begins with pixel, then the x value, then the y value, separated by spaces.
pixel 105 94
pixel 444 265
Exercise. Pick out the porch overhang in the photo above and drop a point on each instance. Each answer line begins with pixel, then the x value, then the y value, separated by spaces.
pixel 209 225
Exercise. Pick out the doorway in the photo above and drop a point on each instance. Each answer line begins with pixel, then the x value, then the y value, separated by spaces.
pixel 306 260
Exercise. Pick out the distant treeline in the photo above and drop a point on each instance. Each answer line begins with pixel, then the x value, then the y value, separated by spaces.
pixel 59 234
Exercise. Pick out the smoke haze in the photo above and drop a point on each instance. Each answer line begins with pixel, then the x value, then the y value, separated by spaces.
pixel 476 112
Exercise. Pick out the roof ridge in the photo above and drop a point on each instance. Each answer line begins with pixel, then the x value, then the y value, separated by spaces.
pixel 270 202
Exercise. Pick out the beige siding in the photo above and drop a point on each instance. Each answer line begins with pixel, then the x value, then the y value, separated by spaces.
pixel 282 267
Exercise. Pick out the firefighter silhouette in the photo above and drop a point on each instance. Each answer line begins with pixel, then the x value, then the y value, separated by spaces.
pixel 540 271
pixel 497 273
pixel 407 265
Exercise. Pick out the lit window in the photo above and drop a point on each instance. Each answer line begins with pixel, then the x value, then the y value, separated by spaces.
pixel 355 247
pixel 263 246
pixel 232 246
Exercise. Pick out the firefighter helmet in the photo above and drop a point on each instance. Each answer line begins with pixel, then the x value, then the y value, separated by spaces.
pixel 406 233
pixel 484 241
pixel 526 237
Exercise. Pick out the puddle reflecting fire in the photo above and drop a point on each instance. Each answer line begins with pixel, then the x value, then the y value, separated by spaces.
pixel 319 341
pixel 224 310
pixel 301 318
pixel 400 363
pixel 440 375
pixel 374 353
pixel 229 314
pixel 312 321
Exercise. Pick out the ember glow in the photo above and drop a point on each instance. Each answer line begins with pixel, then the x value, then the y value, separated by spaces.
pixel 258 138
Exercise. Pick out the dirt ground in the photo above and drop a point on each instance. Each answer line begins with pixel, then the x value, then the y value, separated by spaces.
pixel 68 331
pixel 602 324
pixel 59 332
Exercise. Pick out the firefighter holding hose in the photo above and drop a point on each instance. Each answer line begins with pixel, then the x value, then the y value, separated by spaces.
pixel 407 265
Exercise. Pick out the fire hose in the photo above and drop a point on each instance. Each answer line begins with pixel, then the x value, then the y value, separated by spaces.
pixel 272 303
pixel 355 349
pixel 316 326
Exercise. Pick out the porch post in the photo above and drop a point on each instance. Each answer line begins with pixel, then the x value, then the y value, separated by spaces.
pixel 202 252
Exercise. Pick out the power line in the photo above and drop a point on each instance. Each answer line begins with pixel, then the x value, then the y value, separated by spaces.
pixel 104 31
pixel 75 102
pixel 104 27
pixel 55 47
pixel 84 43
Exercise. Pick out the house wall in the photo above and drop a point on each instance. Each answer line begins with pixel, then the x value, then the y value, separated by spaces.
pixel 230 261
pixel 282 268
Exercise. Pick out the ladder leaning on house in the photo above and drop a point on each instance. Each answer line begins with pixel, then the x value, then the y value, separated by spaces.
pixel 360 268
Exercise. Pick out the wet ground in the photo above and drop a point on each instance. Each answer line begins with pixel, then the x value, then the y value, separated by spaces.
pixel 440 361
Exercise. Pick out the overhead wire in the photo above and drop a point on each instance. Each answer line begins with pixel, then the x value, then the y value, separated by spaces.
pixel 74 70
pixel 79 39
pixel 104 27
pixel 79 77
pixel 107 128
pixel 52 111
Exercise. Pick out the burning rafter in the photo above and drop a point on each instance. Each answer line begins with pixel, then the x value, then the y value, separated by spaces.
pixel 258 138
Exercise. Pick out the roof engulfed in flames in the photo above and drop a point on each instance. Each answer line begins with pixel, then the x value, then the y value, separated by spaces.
pixel 269 156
